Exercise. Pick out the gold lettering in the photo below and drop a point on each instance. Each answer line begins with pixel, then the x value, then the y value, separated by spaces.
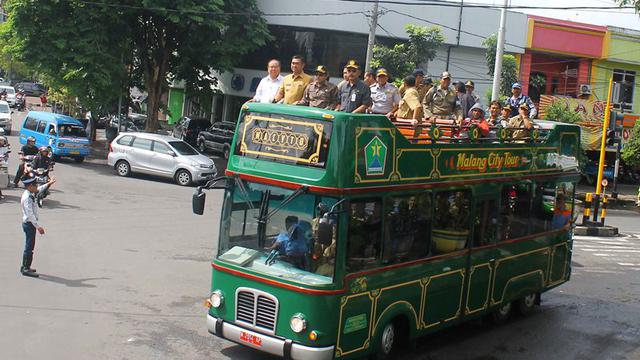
pixel 284 139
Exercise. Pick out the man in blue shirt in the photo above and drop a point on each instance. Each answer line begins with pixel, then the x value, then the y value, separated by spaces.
pixel 292 242
pixel 518 99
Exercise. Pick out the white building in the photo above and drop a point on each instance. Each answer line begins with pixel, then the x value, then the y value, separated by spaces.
pixel 337 31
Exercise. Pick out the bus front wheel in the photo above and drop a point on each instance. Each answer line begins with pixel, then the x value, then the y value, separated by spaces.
pixel 501 314
pixel 526 304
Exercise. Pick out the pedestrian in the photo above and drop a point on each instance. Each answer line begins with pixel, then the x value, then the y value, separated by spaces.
pixel 269 85
pixel 354 95
pixel 43 100
pixel 410 107
pixel 384 95
pixel 320 93
pixel 30 221
pixel 28 149
pixel 522 122
pixel 441 101
pixel 293 85
pixel 369 78
pixel 518 99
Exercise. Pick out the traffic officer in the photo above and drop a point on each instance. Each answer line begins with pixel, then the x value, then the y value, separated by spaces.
pixel 442 101
pixel 354 95
pixel 293 85
pixel 384 95
pixel 320 93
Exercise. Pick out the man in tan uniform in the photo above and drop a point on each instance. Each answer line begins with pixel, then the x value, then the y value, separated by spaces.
pixel 410 107
pixel 442 101
pixel 294 84
pixel 320 93
pixel 522 122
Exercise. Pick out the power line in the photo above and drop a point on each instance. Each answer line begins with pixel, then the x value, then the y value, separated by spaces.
pixel 487 6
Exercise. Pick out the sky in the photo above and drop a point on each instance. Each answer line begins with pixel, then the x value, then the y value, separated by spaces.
pixel 625 18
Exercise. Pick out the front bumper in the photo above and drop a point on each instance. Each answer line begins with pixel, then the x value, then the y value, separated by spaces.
pixel 269 344
pixel 200 174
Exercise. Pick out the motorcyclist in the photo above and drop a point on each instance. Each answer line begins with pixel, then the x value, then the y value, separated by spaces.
pixel 42 160
pixel 28 149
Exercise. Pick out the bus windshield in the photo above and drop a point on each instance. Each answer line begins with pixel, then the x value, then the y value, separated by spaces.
pixel 286 245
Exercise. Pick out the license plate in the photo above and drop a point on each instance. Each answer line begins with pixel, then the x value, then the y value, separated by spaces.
pixel 74 152
pixel 250 338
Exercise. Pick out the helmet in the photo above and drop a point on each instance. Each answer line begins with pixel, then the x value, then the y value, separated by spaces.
pixel 31 139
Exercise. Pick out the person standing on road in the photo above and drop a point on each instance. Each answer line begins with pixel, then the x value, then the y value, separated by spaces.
pixel 269 85
pixel 355 95
pixel 27 150
pixel 293 85
pixel 30 221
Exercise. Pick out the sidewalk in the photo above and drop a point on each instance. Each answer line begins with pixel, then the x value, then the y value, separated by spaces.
pixel 627 196
pixel 99 149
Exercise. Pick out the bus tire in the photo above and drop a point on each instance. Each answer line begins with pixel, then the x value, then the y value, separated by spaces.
pixel 527 303
pixel 387 341
pixel 502 313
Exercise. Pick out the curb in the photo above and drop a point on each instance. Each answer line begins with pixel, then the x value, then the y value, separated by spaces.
pixel 607 231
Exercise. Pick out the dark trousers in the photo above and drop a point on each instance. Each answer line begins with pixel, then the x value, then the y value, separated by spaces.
pixel 29 240
pixel 19 174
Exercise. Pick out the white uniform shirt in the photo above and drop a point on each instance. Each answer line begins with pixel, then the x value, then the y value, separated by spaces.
pixel 384 98
pixel 268 89
pixel 29 207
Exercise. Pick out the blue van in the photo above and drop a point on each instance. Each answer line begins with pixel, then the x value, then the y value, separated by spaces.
pixel 65 135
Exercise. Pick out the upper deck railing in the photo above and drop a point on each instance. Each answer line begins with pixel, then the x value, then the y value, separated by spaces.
pixel 337 152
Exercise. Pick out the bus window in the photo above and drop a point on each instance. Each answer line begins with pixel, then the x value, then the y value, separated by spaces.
pixel 542 207
pixel 451 221
pixel 485 223
pixel 515 211
pixel 365 230
pixel 407 228
pixel 563 205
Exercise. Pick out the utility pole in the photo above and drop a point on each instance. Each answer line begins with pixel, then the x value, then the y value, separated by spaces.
pixel 457 36
pixel 372 35
pixel 497 70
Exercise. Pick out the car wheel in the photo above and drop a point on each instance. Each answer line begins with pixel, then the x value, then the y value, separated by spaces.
pixel 123 168
pixel 79 160
pixel 226 152
pixel 183 177
pixel 202 147
pixel 501 314
pixel 526 304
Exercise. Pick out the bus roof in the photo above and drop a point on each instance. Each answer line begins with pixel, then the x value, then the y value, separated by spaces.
pixel 338 152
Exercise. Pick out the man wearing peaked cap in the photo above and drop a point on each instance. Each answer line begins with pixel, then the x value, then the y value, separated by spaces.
pixel 384 95
pixel 442 101
pixel 320 93
pixel 354 95
pixel 469 98
pixel 518 99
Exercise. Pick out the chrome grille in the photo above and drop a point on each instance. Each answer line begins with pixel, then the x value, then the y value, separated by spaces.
pixel 256 309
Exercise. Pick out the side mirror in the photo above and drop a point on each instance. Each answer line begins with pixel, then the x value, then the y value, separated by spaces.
pixel 325 231
pixel 172 153
pixel 198 201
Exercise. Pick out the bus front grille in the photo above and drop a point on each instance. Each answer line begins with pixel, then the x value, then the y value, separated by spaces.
pixel 256 309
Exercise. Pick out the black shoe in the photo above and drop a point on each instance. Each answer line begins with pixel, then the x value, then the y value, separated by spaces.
pixel 29 273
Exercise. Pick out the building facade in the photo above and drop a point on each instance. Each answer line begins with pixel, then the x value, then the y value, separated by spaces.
pixel 332 32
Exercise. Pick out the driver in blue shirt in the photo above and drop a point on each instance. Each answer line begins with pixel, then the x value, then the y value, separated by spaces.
pixel 293 242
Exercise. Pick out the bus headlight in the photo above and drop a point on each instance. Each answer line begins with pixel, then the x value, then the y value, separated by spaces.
pixel 217 299
pixel 298 323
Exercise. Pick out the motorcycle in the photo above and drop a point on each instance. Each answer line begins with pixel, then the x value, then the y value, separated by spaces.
pixel 21 103
pixel 41 175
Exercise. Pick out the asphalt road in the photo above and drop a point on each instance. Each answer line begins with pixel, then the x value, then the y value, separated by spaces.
pixel 125 267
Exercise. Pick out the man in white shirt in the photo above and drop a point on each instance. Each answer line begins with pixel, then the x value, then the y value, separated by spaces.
pixel 269 85
pixel 30 221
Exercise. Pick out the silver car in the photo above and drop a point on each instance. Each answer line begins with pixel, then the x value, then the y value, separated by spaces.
pixel 159 155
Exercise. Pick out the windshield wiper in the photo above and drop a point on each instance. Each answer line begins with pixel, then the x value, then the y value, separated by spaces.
pixel 301 190
pixel 264 215
pixel 244 192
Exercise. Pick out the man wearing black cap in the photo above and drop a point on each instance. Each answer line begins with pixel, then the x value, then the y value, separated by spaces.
pixel 420 87
pixel 320 93
pixel 354 95
pixel 442 101
pixel 410 107
pixel 30 221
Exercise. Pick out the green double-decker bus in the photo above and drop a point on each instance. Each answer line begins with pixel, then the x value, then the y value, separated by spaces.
pixel 344 235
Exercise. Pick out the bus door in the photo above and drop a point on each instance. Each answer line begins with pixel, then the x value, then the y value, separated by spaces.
pixel 482 253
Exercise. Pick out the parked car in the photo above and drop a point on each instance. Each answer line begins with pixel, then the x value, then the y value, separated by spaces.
pixel 159 155
pixel 217 138
pixel 188 129
pixel 31 88
pixel 11 94
pixel 5 117
pixel 65 135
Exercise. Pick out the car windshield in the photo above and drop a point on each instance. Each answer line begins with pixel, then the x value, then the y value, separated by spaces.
pixel 9 90
pixel 287 246
pixel 4 108
pixel 183 148
pixel 68 130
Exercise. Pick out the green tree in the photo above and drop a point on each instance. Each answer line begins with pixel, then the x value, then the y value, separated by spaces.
pixel 401 59
pixel 509 73
pixel 95 49
pixel 560 112
pixel 631 152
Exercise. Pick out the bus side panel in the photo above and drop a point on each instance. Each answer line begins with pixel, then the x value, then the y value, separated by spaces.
pixel 521 268
pixel 560 261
